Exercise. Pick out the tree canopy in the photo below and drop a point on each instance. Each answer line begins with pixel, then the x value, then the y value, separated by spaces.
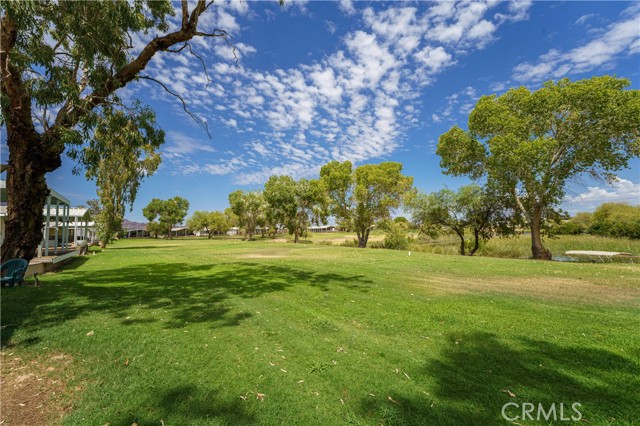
pixel 249 208
pixel 528 145
pixel 167 212
pixel 362 197
pixel 470 209
pixel 295 204
pixel 213 222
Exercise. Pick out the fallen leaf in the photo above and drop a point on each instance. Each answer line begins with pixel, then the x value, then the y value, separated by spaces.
pixel 242 397
pixel 393 400
pixel 90 333
pixel 126 362
pixel 406 375
pixel 342 401
pixel 260 396
pixel 283 370
pixel 508 392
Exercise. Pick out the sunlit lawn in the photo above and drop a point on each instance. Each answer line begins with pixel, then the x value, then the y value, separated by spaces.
pixel 196 331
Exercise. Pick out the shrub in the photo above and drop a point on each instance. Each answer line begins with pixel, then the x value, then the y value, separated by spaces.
pixel 616 220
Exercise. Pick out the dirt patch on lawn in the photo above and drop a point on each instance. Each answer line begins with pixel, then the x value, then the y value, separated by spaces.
pixel 36 391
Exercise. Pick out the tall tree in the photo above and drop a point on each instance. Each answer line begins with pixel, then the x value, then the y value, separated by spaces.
pixel 295 204
pixel 366 195
pixel 249 207
pixel 60 63
pixel 167 212
pixel 470 209
pixel 529 144
pixel 120 154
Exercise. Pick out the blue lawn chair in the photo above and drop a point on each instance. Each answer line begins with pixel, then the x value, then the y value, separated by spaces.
pixel 12 272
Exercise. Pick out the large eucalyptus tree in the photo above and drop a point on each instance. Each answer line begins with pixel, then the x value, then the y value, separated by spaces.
pixel 61 63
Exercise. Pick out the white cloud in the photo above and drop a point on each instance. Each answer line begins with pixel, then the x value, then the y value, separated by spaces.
pixel 331 26
pixel 621 191
pixel 621 37
pixel 434 59
pixel 179 144
pixel 584 18
pixel 347 7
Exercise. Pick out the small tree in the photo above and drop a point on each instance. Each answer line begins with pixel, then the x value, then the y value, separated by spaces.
pixel 529 144
pixel 294 204
pixel 249 208
pixel 468 209
pixel 214 222
pixel 168 212
pixel 362 197
pixel 120 154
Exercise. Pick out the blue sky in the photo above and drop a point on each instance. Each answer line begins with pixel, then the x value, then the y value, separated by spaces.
pixel 363 81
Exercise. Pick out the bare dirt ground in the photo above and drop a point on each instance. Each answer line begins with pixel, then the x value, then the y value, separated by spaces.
pixel 35 392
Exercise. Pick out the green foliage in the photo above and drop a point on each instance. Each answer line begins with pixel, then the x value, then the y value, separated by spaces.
pixel 88 41
pixel 616 220
pixel 295 204
pixel 214 222
pixel 470 209
pixel 167 212
pixel 362 197
pixel 577 225
pixel 118 157
pixel 250 210
pixel 528 144
pixel 395 237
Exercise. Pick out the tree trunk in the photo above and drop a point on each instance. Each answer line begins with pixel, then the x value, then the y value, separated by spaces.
pixel 476 242
pixel 537 249
pixel 363 238
pixel 30 158
pixel 27 193
pixel 296 237
pixel 461 235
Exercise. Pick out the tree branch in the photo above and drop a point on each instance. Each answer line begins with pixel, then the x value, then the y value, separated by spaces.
pixel 195 118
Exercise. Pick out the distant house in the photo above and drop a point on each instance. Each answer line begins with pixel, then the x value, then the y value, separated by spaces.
pixel 323 228
pixel 180 231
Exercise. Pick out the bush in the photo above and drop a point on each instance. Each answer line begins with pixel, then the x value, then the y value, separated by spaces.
pixel 349 243
pixel 616 220
pixel 577 225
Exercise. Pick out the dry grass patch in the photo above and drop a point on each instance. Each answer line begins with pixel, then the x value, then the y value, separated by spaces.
pixel 547 288
pixel 35 391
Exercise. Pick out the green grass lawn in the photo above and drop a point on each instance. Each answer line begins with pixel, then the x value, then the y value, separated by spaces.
pixel 213 332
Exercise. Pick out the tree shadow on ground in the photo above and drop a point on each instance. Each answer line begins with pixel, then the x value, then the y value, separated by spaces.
pixel 474 376
pixel 182 402
pixel 187 293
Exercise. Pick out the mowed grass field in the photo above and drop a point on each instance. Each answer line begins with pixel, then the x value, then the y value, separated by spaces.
pixel 226 332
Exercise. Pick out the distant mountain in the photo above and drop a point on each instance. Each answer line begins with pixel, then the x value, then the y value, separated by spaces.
pixel 133 226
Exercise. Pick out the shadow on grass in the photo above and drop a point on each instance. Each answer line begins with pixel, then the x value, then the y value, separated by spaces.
pixel 199 406
pixel 472 379
pixel 187 293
